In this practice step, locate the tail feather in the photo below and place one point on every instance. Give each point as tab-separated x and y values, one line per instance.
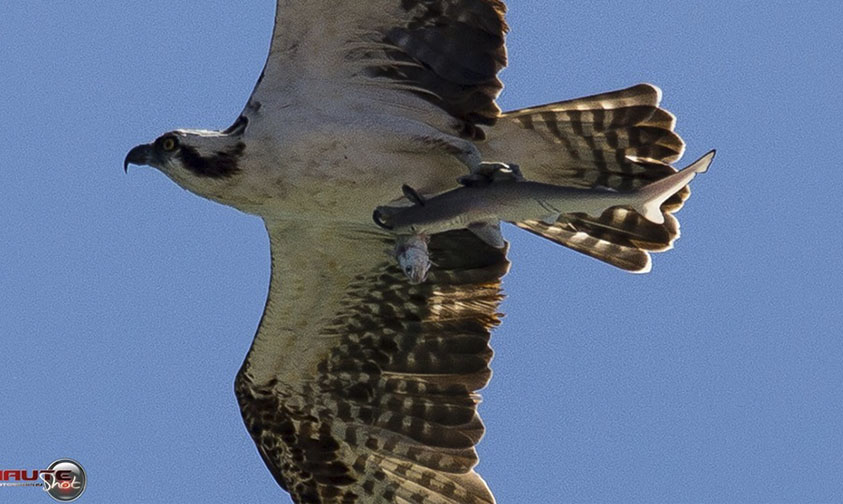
640	94
621	140
612	249
589	141
620	236
608	133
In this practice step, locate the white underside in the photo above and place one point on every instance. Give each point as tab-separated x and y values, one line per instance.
337	163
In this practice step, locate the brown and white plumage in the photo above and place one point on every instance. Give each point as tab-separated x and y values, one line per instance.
360	387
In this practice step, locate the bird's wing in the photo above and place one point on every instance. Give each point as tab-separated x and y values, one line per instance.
445	52
360	387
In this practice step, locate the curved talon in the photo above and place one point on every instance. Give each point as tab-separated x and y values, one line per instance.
377	216
516	171
498	172
474	180
412	195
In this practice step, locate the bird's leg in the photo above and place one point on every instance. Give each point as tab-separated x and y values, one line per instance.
488	173
479	171
499	171
413	256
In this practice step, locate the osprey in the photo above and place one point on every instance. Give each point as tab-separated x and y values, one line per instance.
360	386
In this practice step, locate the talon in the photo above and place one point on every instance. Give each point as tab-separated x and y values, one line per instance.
516	171
377	216
498	172
474	180
412	195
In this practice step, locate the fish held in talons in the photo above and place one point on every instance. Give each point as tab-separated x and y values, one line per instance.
486	199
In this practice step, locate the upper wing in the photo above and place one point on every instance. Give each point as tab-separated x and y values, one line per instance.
360	387
447	52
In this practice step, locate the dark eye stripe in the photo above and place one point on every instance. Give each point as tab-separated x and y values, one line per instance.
219	165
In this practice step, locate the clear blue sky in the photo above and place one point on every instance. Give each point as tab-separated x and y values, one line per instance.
128	304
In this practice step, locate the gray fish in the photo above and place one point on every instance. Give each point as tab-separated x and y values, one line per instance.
481	207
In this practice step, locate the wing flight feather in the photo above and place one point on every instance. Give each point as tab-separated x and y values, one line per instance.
361	387
446	53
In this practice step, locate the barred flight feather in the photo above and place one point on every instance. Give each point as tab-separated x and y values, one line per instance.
447	52
384	410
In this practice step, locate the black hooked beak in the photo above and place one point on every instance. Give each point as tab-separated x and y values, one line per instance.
140	155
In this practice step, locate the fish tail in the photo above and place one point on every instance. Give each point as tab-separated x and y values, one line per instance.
653	195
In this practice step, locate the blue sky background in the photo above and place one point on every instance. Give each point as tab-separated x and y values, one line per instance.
128	304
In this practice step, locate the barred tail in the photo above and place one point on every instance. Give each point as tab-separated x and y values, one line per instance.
622	140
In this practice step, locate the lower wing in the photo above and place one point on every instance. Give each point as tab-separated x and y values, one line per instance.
360	387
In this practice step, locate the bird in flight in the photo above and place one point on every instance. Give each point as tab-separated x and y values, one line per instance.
361	386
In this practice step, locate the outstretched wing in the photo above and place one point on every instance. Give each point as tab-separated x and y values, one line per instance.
360	387
445	52
621	140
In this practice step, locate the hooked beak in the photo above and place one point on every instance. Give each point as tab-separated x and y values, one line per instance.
140	155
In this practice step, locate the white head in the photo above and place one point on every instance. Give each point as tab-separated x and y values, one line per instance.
201	161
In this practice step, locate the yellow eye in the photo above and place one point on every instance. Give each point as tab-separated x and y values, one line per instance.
169	143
